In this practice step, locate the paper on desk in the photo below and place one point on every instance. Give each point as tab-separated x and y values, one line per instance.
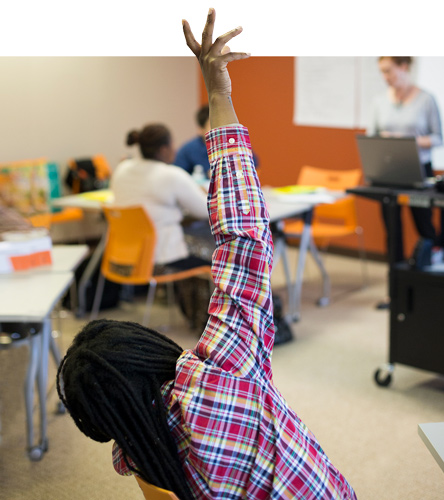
297	189
321	195
102	195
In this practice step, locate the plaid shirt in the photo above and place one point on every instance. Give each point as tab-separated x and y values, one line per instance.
236	436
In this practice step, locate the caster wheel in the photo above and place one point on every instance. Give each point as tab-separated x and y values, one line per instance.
61	410
35	453
295	318
381	380
323	301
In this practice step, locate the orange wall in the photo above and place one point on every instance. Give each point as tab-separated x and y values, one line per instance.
263	95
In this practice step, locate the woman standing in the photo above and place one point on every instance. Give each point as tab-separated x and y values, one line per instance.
406	110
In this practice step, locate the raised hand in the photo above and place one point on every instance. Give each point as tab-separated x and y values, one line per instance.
213	59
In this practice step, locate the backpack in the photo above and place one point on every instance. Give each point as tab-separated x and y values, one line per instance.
282	329
88	174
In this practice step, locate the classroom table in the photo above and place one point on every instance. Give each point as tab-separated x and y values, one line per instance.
280	207
433	436
30	297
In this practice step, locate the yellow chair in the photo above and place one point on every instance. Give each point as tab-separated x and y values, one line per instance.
129	254
335	220
151	492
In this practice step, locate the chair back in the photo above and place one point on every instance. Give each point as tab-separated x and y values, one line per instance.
130	248
343	211
151	492
326	177
40	220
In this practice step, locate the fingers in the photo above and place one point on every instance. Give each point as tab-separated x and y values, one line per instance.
207	34
222	40
189	37
234	56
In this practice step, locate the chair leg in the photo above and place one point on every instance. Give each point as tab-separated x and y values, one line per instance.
98	297
149	302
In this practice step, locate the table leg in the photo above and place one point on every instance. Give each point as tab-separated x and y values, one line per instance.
87	275
280	250
307	243
42	384
325	298
34	356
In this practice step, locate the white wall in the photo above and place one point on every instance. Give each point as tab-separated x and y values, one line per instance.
64	107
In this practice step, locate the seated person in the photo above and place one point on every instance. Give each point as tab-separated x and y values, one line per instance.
194	152
166	191
206	422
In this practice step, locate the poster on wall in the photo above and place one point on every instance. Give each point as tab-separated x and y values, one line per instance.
335	91
325	91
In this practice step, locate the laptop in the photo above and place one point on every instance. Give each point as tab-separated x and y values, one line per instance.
392	162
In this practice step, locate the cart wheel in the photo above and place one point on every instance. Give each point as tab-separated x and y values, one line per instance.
383	381
35	453
323	301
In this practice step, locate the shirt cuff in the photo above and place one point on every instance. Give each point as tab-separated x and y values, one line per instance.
223	141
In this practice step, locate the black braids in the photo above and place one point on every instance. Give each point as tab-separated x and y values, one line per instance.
110	380
159	474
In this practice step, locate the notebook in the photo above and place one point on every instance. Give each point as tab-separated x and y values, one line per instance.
391	162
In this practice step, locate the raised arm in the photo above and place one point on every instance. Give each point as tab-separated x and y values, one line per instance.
239	335
213	59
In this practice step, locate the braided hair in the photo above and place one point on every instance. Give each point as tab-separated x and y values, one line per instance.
110	380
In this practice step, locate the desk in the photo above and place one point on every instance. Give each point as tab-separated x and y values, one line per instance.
280	207
30	296
433	437
283	207
416	316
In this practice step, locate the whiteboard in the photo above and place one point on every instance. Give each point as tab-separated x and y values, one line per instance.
337	92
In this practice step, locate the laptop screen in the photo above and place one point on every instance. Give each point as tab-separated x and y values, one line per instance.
391	161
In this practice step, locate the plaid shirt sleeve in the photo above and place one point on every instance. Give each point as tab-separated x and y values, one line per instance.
236	435
239	336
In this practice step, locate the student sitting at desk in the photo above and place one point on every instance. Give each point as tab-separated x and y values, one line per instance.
166	191
207	423
168	194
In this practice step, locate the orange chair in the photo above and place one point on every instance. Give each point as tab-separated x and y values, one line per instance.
129	254
47	219
151	492
68	214
40	220
335	220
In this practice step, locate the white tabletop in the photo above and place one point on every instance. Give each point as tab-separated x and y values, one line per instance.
433	436
65	258
280	206
31	297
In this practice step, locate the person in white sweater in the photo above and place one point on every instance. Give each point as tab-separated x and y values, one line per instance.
167	192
